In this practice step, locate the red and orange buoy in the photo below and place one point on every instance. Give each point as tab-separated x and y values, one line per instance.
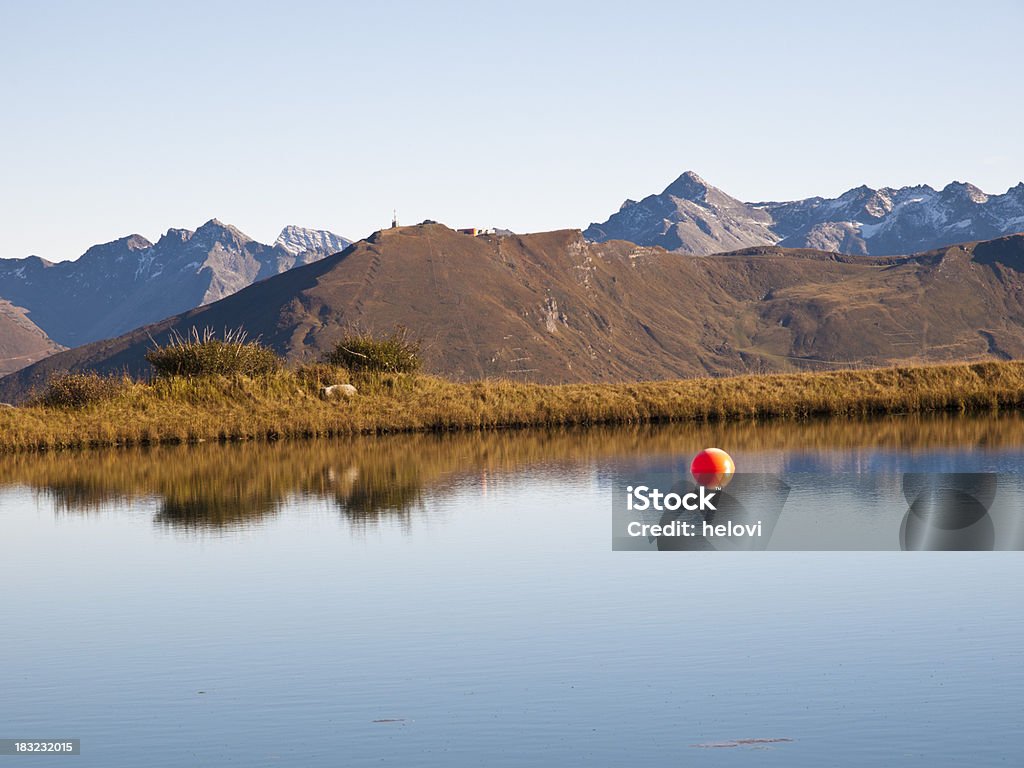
712	468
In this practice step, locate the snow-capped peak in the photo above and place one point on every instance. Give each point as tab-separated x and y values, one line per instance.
299	240
691	216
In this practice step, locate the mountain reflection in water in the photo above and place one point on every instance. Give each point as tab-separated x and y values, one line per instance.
371	479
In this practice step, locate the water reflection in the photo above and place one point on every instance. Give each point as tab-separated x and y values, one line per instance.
370	480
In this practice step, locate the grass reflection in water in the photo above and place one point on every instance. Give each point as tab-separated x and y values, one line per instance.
371	479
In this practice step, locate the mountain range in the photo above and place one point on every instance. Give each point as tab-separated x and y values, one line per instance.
691	216
130	282
802	284
555	307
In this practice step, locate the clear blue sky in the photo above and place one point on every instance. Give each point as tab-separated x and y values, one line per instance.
120	118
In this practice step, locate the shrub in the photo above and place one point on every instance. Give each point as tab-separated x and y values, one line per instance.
204	354
396	353
78	390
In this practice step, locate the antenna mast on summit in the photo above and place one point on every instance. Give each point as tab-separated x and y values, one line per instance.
394	218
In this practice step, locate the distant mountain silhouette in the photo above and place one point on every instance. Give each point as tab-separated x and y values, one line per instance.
130	282
691	216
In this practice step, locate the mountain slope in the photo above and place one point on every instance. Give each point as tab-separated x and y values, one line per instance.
22	342
691	216
553	307
130	282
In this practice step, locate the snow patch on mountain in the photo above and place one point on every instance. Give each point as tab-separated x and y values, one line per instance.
129	282
298	240
691	216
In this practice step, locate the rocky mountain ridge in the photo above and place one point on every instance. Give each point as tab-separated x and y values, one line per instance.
691	216
129	282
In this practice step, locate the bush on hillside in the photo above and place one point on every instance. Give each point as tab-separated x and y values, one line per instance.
395	353
78	390
203	354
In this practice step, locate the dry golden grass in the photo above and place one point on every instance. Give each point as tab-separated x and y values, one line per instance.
286	404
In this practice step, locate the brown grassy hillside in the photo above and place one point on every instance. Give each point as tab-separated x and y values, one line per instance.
552	308
22	342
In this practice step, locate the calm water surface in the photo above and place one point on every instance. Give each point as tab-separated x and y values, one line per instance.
454	601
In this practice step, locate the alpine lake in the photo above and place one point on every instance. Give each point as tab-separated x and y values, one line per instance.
454	600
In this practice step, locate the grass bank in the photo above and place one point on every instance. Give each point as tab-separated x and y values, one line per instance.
287	404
